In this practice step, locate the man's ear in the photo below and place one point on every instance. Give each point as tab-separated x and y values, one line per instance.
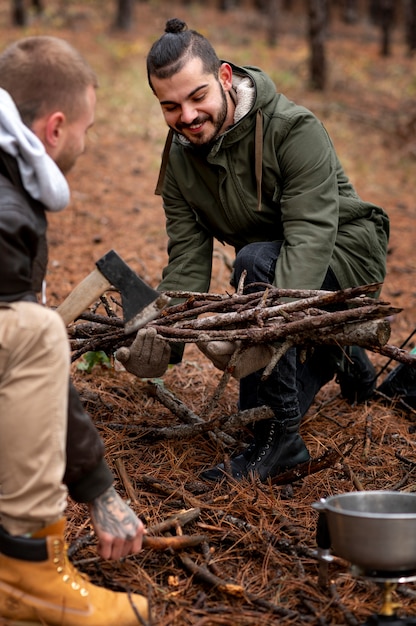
225	76
53	128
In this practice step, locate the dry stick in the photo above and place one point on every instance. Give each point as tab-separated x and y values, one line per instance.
182	518
206	551
130	491
178	408
221	319
404	459
401	483
165	488
107	306
279	292
203	573
307	299
343	451
159	544
353	477
193	299
212	403
227	423
311	328
173	543
406	477
240	286
371	334
397	354
349	617
395	400
108	342
320	619
171	402
368	435
286	546
328	459
237	302
231	588
277	355
139	617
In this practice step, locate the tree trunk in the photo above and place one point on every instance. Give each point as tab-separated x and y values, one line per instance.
124	15
19	16
38	6
19	11
272	13
387	13
318	20
350	11
410	25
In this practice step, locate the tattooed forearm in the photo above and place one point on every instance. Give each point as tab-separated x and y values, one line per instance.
113	515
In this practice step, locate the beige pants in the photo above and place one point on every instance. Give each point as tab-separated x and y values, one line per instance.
34	377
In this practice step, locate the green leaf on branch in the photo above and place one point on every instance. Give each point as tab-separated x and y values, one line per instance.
91	359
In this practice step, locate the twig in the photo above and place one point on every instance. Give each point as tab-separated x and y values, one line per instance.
368	435
349	617
313	466
212	403
401	483
130	491
171	402
227	423
231	588
182	518
354	478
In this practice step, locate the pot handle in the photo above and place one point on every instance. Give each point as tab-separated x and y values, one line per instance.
323	537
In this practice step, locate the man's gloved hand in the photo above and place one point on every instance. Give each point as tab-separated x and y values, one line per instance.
251	360
219	352
148	356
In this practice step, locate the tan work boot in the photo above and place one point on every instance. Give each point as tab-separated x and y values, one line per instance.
38	585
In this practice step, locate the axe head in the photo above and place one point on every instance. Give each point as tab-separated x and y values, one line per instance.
141	304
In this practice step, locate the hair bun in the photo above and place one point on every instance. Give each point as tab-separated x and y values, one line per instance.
175	25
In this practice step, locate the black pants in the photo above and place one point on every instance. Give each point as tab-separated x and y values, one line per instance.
292	385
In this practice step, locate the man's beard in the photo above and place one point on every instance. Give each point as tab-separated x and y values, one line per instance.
204	144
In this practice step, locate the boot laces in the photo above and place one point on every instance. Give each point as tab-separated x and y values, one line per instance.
265	447
64	567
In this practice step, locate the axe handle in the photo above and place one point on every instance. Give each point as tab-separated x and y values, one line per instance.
85	293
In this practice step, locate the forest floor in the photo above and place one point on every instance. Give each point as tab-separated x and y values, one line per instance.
260	538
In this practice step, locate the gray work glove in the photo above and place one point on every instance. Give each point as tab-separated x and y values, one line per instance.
148	356
252	359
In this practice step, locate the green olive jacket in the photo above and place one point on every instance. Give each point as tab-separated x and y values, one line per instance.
274	175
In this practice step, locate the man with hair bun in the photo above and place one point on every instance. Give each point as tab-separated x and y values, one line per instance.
248	167
49	446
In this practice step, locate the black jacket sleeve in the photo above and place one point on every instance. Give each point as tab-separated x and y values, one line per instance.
87	474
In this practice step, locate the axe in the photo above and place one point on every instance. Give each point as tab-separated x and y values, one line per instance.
141	303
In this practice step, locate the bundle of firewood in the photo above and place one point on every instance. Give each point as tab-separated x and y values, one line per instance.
283	317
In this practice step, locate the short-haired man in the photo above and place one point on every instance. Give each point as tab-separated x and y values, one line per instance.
48	444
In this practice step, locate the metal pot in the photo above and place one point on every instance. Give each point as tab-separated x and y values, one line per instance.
374	530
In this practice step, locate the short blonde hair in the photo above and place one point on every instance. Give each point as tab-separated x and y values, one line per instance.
44	74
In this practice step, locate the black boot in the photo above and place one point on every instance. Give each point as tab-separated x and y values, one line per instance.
280	448
400	384
238	465
358	378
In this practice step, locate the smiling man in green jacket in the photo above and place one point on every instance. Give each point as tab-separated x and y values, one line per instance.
246	166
